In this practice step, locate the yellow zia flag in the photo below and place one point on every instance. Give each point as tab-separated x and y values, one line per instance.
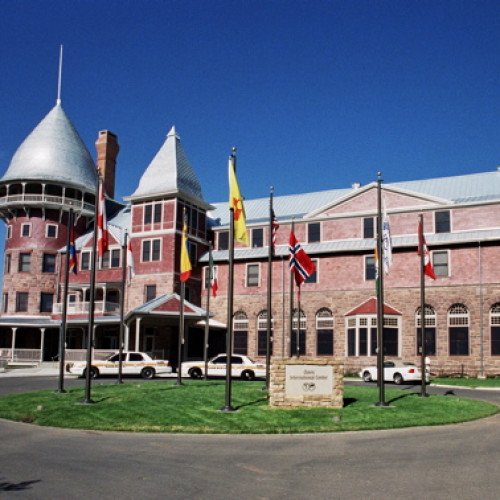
236	203
185	262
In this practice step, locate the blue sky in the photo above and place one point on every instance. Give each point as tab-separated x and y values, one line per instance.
315	94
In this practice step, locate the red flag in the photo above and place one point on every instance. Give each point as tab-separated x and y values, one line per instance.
214	287
102	225
422	247
130	261
299	262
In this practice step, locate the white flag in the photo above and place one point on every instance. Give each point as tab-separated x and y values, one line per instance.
386	242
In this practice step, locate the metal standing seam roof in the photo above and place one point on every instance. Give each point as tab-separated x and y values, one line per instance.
53	152
169	173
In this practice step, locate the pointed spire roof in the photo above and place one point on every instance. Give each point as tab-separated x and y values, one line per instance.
53	152
169	173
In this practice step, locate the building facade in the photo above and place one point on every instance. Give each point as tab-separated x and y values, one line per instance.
53	172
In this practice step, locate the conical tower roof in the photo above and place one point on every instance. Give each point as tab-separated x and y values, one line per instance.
53	152
169	173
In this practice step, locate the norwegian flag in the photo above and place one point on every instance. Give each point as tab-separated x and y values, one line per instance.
422	247
102	225
299	262
274	229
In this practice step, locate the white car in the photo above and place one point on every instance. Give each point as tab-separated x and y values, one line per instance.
394	371
241	366
133	363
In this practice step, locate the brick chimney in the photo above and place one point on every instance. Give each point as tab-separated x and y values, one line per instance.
107	150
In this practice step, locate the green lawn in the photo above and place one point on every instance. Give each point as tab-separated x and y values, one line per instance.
468	382
195	408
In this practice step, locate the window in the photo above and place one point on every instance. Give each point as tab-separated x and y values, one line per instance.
152	213
21	301
298	330
240	333
151	250
207	276
495	329
430	331
46	302
6	264
442	221
24	262
149	292
111	259
25	230
313	278
192	252
157	212
49	263
85	261
362	335
5	302
370	271
223	240
257	237
369	227
458	330
262	334
252	274
440	262
51	231
9	231
324	332
313	232
148	211
135	356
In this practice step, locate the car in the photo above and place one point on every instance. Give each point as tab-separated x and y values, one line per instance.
134	363
241	366
394	371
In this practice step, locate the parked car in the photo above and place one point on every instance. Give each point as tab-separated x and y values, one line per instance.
394	371
133	363
241	366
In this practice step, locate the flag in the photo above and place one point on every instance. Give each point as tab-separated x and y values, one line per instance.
73	263
212	280
422	247
185	262
215	287
386	243
236	203
274	229
130	261
102	225
299	262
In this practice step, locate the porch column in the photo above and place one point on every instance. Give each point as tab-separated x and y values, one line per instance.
14	330
104	291
42	340
137	330
126	336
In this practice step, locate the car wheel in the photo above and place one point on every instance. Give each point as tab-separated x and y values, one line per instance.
367	377
194	373
398	378
94	372
248	375
147	372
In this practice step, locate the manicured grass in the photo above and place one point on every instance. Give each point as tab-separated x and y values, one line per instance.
468	382
195	408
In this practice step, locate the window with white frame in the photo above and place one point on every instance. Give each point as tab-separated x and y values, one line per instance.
495	329
24	262
299	331
314	232
458	330
26	230
361	339
151	250
85	260
253	275
111	259
152	213
440	260
51	231
49	263
240	333
324	332
430	330
262	334
370	268
257	237
442	221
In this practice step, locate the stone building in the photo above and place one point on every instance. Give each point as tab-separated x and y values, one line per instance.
52	172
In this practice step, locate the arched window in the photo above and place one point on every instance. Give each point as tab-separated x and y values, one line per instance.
262	334
430	330
458	330
240	333
298	333
495	329
324	332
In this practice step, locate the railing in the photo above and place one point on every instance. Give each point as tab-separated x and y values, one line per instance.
31	355
100	307
81	354
6	354
39	198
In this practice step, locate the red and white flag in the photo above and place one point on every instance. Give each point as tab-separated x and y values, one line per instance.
102	225
422	247
130	261
299	262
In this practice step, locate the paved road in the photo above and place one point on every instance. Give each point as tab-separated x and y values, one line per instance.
459	461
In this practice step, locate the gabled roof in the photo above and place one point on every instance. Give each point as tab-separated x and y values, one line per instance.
168	304
169	173
370	307
53	152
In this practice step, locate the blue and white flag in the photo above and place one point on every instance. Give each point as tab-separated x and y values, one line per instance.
386	242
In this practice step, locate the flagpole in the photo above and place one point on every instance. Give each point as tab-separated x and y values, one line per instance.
423	391
122	308
230	297
62	330
380	298
90	334
269	290
207	317
181	334
297	335
291	298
